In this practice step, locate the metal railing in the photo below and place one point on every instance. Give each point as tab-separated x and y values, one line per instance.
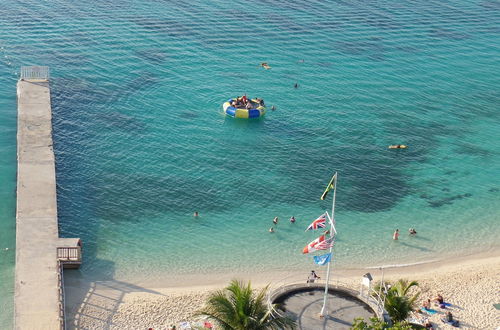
290	283
60	287
34	73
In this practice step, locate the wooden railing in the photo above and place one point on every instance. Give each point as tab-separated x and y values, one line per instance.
69	255
34	72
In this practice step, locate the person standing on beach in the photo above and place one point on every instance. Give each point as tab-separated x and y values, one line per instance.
395	236
312	277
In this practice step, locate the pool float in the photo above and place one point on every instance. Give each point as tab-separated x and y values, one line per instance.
398	146
257	110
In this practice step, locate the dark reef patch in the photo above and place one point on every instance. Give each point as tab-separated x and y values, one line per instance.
472	150
143	195
442	33
371	47
165	26
448	200
122	122
490	4
152	55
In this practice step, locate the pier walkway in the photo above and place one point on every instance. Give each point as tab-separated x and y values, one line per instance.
38	299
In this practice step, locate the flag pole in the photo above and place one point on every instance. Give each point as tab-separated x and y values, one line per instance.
323	309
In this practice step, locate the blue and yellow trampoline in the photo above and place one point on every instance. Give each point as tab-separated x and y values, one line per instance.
256	110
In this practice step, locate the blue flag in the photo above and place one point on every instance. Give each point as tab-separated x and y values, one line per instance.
324	259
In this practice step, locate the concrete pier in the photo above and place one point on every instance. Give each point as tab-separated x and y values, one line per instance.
38	272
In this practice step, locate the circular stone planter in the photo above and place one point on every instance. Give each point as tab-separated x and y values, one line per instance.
303	303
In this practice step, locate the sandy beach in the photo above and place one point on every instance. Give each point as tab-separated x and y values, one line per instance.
470	284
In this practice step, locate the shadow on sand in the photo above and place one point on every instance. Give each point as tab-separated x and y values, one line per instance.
95	301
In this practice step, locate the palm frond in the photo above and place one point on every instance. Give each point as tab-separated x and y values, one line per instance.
238	307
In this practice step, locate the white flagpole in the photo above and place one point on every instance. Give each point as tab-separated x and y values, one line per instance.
323	310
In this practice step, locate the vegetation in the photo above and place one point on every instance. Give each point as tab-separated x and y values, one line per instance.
398	301
238	307
376	324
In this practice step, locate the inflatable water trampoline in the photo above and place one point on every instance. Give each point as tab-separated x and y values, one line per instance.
241	107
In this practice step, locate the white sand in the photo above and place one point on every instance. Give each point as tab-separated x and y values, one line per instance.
472	285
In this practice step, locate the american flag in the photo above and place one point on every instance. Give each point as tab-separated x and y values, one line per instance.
320	222
319	243
326	244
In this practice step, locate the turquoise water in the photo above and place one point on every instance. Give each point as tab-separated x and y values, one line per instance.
141	142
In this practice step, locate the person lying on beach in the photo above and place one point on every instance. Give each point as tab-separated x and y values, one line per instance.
449	320
439	299
428	325
426	304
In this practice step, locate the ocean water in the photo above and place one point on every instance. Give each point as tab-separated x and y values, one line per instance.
141	142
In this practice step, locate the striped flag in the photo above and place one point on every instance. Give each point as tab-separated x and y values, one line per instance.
331	185
320	222
326	244
319	243
310	246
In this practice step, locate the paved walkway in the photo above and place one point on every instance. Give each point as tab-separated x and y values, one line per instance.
36	297
305	306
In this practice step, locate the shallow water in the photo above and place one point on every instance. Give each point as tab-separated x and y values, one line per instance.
141	142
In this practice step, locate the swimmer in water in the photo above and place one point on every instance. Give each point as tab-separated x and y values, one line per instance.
398	146
275	220
273	108
271	230
395	236
296	85
292	219
265	65
196	214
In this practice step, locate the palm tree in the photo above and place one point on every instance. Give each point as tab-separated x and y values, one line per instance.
237	307
397	302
